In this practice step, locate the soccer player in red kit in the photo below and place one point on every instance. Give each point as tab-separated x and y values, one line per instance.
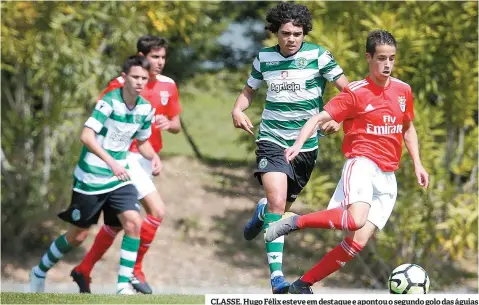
162	93
377	115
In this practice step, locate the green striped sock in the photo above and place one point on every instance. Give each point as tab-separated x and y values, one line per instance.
274	249
57	250
128	253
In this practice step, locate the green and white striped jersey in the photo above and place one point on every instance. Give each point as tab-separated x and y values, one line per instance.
116	126
295	89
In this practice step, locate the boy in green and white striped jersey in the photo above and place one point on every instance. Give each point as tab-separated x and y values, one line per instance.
101	181
296	73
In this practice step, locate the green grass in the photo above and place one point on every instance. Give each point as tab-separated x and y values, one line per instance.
76	298
208	119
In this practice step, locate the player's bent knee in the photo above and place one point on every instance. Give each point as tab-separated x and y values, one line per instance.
359	222
159	213
75	236
363	235
154	205
131	222
132	227
359	212
276	204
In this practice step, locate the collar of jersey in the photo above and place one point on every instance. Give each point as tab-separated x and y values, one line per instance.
126	105
376	86
292	55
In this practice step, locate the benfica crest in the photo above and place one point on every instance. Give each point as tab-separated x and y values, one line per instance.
164	97
402	103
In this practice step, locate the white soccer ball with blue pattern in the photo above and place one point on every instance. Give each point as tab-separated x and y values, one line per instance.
409	279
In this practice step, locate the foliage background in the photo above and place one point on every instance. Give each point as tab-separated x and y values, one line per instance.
57	56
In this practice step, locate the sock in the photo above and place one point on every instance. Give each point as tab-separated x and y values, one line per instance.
128	253
274	249
336	219
57	250
332	261
103	241
148	230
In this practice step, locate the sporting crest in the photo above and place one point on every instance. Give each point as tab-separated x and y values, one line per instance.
76	215
301	63
284	74
138	118
164	97
263	163
402	103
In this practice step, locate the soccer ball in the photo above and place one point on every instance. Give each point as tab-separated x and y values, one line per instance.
409	279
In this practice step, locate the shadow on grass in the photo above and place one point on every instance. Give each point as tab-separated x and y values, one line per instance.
302	249
30	252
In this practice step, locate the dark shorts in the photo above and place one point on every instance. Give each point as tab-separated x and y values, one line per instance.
270	158
85	210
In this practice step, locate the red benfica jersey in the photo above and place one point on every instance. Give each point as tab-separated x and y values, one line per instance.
163	97
373	118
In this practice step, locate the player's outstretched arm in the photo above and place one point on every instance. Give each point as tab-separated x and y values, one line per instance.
172	125
147	151
332	126
175	124
341	82
412	145
306	132
240	119
88	137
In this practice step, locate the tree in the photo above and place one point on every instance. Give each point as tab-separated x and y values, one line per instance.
56	57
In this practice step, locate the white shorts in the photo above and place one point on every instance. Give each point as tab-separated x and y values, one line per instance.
362	180
141	174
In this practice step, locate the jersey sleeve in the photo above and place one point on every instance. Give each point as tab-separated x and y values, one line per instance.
328	67
145	130
342	106
173	107
102	111
409	113
256	77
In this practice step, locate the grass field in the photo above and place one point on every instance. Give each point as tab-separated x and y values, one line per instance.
75	298
208	119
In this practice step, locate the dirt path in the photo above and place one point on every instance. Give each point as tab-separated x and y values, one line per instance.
200	244
204	201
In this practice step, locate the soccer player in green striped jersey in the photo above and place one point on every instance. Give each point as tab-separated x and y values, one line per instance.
101	181
296	73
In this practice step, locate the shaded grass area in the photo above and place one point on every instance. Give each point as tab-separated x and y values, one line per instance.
71	298
207	120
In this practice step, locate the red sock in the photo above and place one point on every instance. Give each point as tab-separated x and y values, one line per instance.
332	261
148	231
103	241
338	218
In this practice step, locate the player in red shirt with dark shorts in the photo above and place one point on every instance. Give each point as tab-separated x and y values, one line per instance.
162	93
377	115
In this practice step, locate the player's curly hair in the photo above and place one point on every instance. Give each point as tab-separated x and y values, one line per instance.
286	12
378	37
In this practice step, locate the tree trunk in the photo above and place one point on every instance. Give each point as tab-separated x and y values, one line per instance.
190	140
